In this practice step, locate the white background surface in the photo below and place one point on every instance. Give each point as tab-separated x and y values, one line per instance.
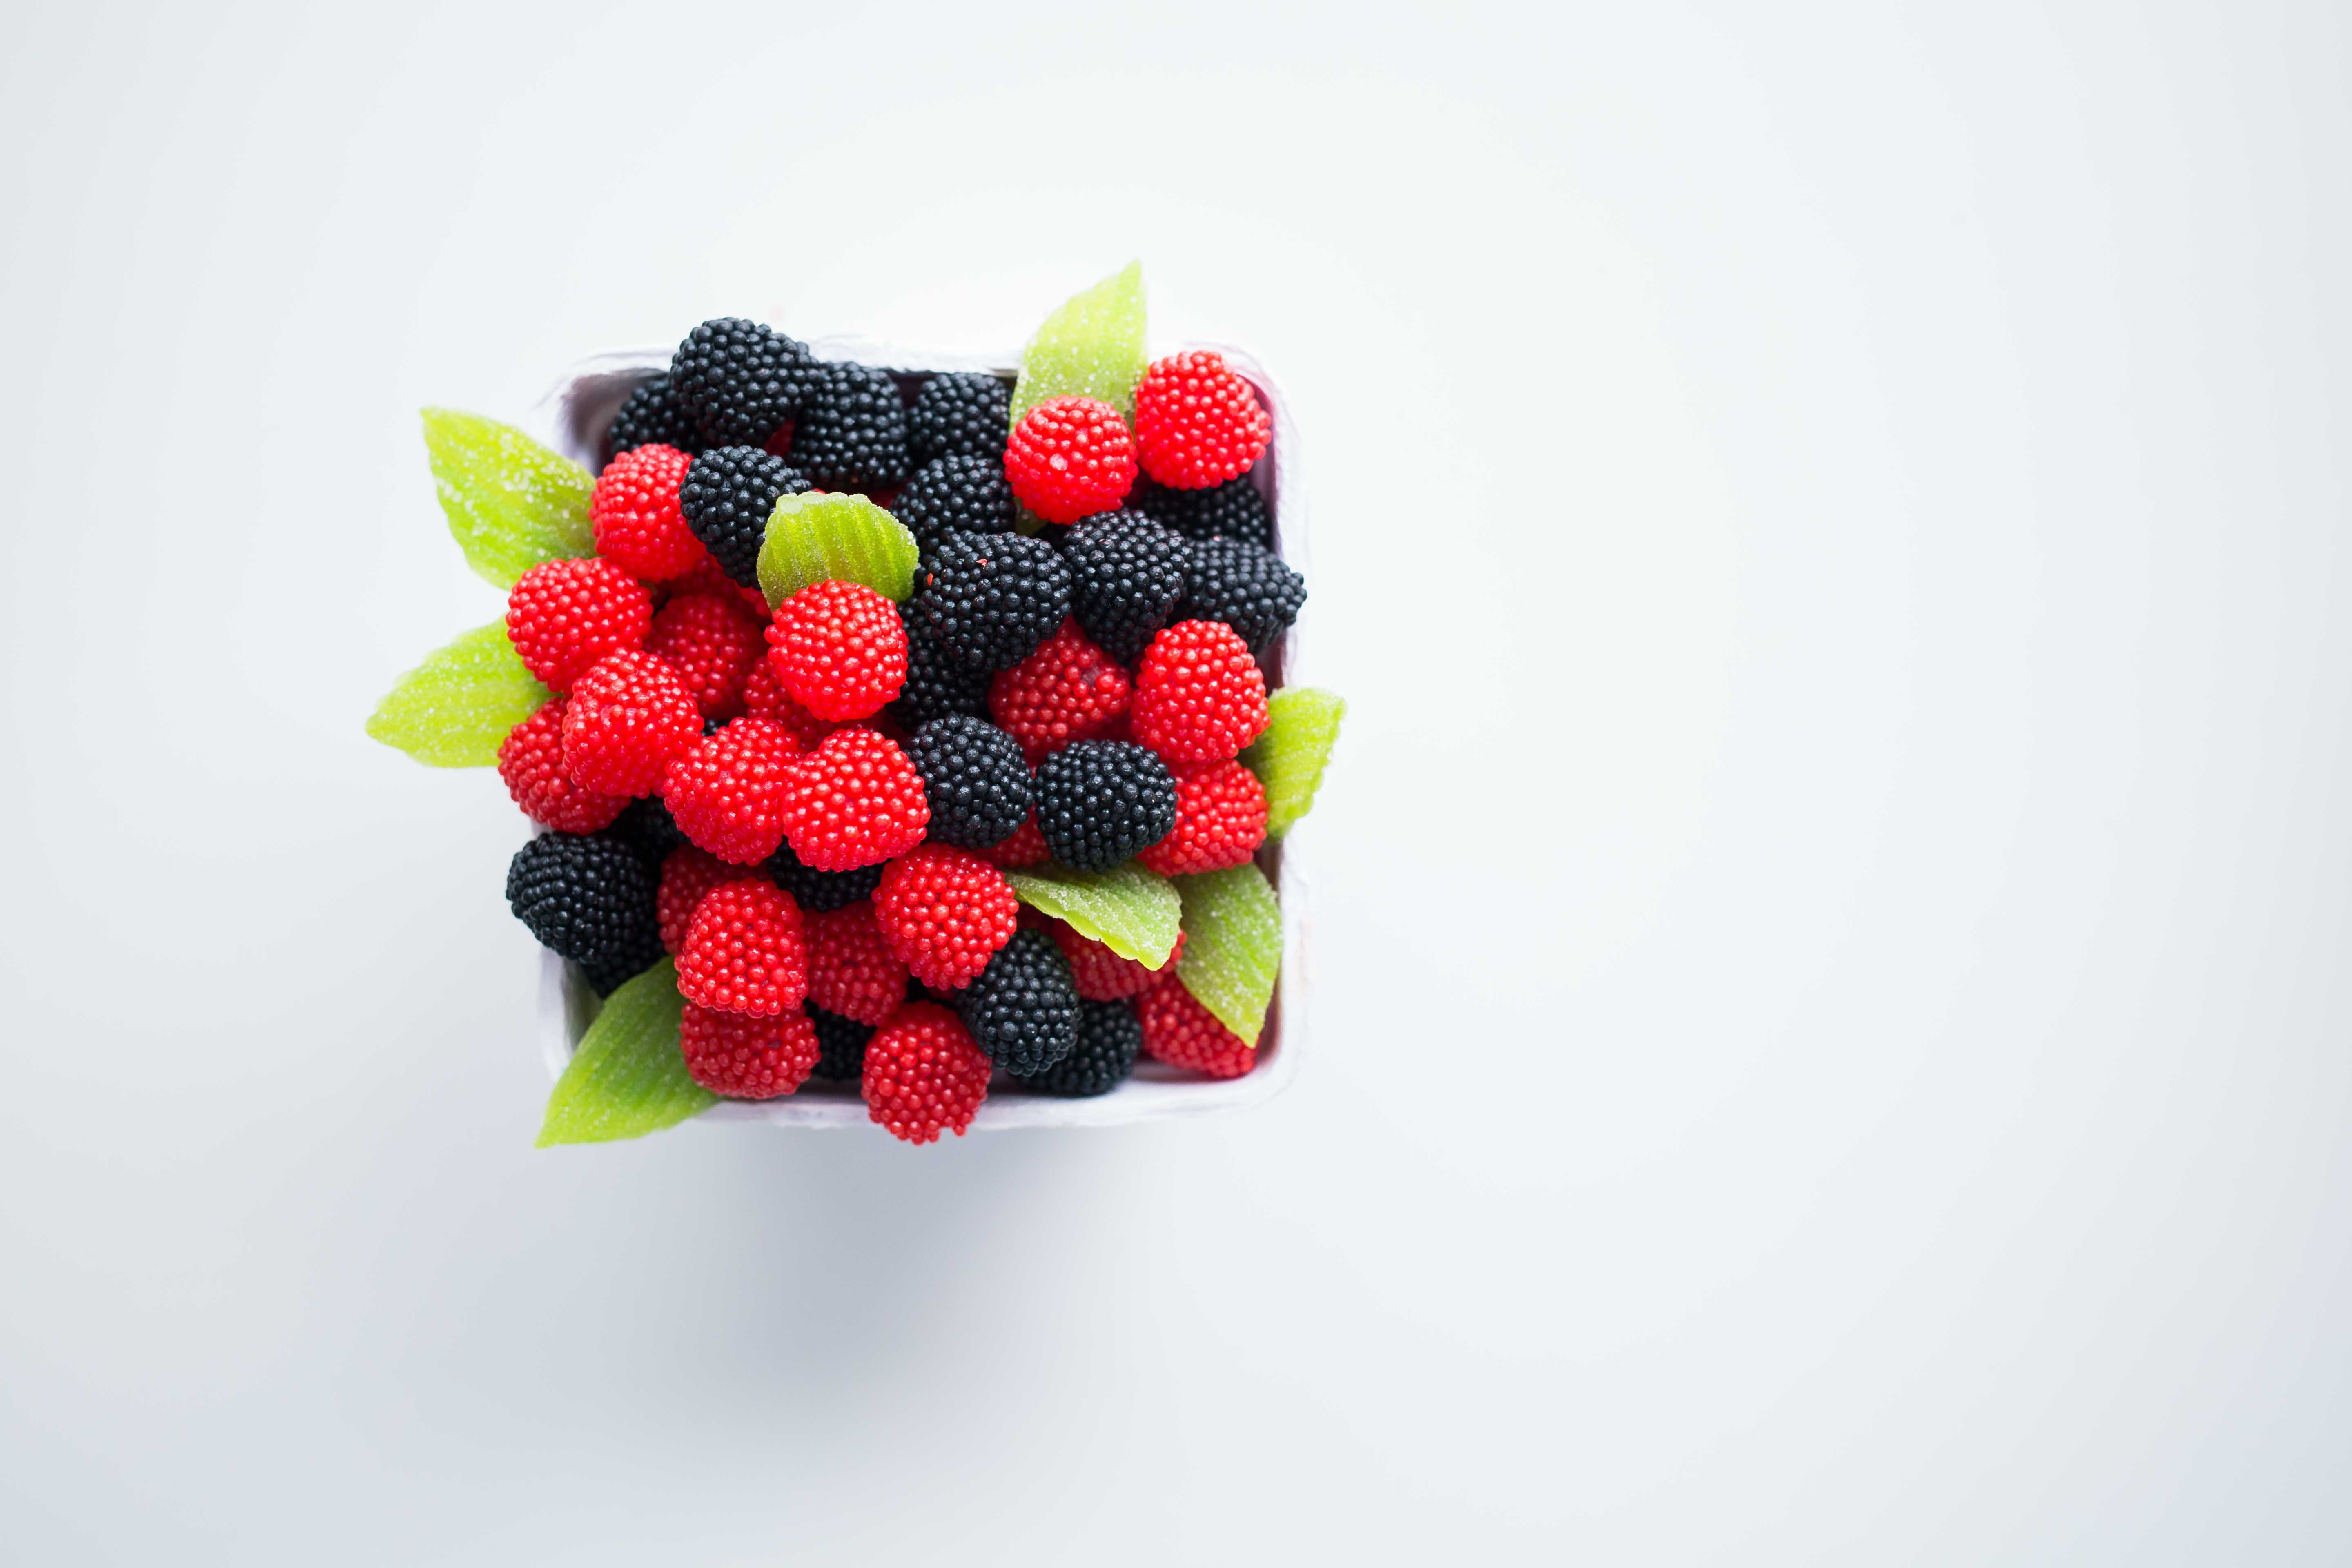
1834	1022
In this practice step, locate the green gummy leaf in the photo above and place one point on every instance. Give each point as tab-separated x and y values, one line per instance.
1091	347
511	502
1302	723
1232	945
628	1076
454	709
1132	912
834	538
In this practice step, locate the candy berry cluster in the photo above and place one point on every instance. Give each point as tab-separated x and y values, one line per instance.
886	721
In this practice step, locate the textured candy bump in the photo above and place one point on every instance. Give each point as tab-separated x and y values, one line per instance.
1091	346
840	649
531	762
740	381
688	873
960	414
1066	691
1110	1038
649	416
1022	1009
1102	801
1219	820
730	494
564	615
855	801
1070	457
943	912
588	898
1232	945
1127	574
1102	975
458	708
627	1078
1134	912
712	641
853	973
744	1057
974	779
992	598
834	538
1197	423
629	718
852	435
639	527
1199	696
841	1044
923	1075
1180	1031
1302	726
511	503
728	794
745	951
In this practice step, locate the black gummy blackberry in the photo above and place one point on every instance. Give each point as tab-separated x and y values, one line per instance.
841	1044
1110	1038
852	436
937	683
991	598
738	381
960	414
726	499
1230	510
587	898
1022	1009
973	777
647	826
1100	801
1247	589
641	952
818	890
651	417
961	495
1127	572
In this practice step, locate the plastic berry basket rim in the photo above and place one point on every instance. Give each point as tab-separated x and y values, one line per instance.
575	413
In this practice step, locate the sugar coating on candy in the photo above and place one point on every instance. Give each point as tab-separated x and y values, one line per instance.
727	498
639	527
639	952
729	792
1068	691
1234	510
923	1075
1102	801
744	950
852	971
687	874
855	801
841	1044
1197	423
1126	573
564	615
1102	975
531	762
813	890
955	495
1025	848
456	710
937	683
839	649
1302	726
738	381
712	642
1199	696
586	899
629	718
1070	457
974	779
511	503
960	414
649	416
746	1058
943	912
814	537
1022	1008
1180	1032
990	599
1219	820
1092	344
1110	1038
1233	948
1247	589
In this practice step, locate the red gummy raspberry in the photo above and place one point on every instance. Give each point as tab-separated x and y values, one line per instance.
530	760
639	526
564	615
744	952
851	970
1070	457
727	794
764	697
1199	696
1103	976
629	718
1197	424
713	643
1180	1032
711	578
745	1057
923	1074
1025	848
1219	820
944	911
840	648
1067	690
855	801
686	875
